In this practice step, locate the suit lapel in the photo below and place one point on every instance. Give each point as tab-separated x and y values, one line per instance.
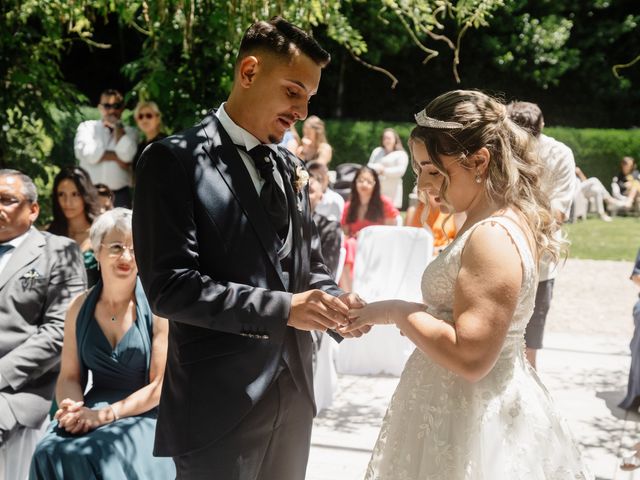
288	169
28	251
224	155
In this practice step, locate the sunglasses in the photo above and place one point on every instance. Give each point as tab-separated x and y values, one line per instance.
118	249
112	106
147	116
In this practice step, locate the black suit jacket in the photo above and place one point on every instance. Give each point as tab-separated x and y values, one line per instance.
207	258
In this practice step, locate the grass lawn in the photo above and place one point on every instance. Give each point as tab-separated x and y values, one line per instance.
598	240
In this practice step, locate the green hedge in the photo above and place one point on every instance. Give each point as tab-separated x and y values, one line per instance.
597	152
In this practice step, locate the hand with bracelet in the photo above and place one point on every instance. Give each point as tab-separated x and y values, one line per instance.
77	419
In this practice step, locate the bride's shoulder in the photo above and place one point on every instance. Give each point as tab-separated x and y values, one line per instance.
496	241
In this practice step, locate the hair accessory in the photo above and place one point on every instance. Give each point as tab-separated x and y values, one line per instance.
424	120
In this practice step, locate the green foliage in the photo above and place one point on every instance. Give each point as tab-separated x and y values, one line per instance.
538	49
598	240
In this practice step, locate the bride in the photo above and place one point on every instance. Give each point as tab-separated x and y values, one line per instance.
468	405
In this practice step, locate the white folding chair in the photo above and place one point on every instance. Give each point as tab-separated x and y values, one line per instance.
389	264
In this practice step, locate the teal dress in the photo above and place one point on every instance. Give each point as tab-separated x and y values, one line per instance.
121	450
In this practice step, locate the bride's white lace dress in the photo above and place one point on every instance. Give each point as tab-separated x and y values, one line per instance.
440	426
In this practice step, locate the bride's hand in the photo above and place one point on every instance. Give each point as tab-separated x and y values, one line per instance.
376	313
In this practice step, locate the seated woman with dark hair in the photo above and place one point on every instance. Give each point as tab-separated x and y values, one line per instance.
75	205
365	207
108	432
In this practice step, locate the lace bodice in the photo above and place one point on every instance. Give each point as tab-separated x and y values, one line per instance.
439	279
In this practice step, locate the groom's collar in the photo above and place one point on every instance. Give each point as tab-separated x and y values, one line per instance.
239	135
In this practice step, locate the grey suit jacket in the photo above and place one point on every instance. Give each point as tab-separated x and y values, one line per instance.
43	274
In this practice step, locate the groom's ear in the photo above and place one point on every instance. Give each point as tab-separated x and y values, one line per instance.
246	71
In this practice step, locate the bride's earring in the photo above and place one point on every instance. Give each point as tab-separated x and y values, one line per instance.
478	177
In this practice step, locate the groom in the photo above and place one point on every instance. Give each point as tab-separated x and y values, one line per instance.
224	245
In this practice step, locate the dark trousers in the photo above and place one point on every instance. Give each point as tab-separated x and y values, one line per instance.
270	443
122	197
534	332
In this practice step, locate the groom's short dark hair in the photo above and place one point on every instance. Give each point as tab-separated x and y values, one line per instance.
281	38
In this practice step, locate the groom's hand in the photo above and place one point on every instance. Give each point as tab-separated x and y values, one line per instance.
317	310
353	301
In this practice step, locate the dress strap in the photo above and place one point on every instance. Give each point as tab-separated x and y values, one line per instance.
517	235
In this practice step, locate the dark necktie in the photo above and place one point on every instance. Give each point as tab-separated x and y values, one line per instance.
272	197
4	248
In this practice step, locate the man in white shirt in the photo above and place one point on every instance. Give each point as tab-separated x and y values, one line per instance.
558	183
105	148
39	274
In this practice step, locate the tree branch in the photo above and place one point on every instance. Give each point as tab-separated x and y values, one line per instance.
616	68
394	80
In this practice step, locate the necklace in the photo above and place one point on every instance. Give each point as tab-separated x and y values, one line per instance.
114	316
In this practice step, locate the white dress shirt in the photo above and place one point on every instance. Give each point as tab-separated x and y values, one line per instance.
331	206
16	242
239	136
92	140
557	182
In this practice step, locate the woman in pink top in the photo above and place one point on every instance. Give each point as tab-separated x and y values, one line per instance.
366	207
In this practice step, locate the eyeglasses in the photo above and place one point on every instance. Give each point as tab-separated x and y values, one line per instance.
147	116
118	249
365	181
9	201
112	106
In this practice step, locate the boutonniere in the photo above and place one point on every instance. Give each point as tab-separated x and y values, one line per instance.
29	278
301	180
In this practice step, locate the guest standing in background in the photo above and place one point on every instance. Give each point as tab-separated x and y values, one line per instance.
314	145
75	205
390	161
558	184
105	148
149	120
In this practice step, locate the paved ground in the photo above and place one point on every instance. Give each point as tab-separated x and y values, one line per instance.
585	366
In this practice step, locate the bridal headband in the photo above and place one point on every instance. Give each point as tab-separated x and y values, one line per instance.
424	120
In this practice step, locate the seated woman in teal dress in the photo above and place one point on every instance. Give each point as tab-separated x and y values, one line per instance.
109	331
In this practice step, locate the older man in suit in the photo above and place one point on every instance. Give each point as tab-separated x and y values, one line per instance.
39	274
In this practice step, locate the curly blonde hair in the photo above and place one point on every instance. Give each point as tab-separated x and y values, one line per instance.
513	173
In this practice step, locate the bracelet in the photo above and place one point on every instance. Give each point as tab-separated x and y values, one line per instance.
115	415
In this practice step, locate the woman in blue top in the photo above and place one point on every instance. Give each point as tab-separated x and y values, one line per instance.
108	431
